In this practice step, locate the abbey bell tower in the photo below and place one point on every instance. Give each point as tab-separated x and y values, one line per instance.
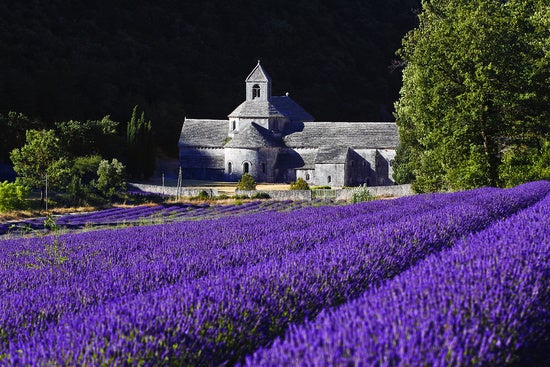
258	85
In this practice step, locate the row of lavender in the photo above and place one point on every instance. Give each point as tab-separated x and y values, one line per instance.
58	274
154	214
484	302
129	301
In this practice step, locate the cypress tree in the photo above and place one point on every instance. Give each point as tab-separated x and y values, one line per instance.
141	148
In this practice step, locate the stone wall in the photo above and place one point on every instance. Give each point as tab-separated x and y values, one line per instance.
173	191
279	194
377	191
337	194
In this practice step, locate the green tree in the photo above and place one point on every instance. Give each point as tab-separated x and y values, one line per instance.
246	182
86	167
475	85
110	177
140	146
40	159
12	196
89	137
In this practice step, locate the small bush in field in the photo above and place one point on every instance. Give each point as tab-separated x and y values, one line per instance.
246	182
299	184
203	195
360	194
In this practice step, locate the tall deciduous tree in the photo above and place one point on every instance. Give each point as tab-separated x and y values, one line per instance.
475	86
140	146
40	159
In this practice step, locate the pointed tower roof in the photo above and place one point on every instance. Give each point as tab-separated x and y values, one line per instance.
258	74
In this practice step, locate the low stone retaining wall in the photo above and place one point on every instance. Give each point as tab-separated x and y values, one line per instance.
279	194
377	191
336	194
173	191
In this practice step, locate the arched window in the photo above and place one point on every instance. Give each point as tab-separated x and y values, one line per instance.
263	167
307	176
233	125
255	91
246	167
229	168
329	179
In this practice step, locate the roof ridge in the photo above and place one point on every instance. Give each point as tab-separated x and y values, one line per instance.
259	74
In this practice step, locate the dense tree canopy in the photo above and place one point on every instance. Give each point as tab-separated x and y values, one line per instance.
474	103
84	59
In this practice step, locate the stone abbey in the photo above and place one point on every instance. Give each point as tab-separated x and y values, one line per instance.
275	140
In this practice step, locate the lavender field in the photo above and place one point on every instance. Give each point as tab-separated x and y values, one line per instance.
457	279
146	214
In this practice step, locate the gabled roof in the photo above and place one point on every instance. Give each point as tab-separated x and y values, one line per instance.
374	135
276	107
336	154
288	107
254	136
258	74
204	133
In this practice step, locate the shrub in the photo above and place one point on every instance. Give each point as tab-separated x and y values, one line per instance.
110	177
203	195
299	184
260	195
246	182
361	193
240	197
12	196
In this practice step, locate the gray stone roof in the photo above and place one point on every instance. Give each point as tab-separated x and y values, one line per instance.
291	109
258	74
283	106
374	135
254	136
335	154
204	133
256	109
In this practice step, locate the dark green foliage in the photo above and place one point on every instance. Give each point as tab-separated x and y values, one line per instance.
203	195
475	95
141	156
299	184
86	167
246	182
75	60
12	132
89	137
260	195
